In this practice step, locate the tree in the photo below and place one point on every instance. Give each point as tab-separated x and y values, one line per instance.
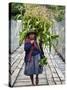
56	12
16	11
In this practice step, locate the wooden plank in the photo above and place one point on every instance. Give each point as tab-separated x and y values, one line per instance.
60	74
13	60
55	72
15	65
49	76
15	73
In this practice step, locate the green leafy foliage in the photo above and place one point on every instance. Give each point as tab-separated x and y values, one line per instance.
35	20
17	11
57	12
43	61
43	31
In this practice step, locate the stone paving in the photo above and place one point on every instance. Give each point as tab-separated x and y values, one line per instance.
53	72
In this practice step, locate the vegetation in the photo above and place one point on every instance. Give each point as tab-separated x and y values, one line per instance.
58	12
17	11
36	18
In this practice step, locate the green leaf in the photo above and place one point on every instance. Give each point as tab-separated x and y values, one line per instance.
43	61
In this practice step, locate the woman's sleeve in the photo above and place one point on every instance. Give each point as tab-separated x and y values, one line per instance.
27	46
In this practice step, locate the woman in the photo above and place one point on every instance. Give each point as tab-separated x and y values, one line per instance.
32	57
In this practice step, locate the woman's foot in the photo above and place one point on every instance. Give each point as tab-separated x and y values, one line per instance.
33	84
32	79
37	80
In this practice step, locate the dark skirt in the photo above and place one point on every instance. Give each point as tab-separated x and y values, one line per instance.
33	67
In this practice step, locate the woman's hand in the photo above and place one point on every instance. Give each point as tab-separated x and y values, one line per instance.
32	41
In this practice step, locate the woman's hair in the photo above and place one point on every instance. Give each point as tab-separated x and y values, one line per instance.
27	36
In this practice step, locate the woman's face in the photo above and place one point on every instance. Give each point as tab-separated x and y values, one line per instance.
32	36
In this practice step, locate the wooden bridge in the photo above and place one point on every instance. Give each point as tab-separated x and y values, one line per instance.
53	73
